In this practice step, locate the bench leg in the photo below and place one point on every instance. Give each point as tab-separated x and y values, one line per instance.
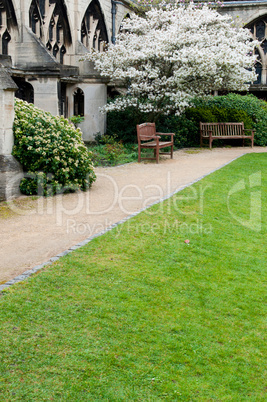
243	142
157	155
139	154
210	142
172	152
201	141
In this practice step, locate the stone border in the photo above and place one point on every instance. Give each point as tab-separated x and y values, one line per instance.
37	268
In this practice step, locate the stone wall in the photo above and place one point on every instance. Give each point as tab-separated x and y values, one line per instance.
46	46
10	170
244	12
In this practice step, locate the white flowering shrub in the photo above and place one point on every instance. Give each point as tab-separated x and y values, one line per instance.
51	151
174	53
144	5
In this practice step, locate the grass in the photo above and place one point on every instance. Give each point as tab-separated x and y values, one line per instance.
140	315
113	154
22	203
192	151
116	153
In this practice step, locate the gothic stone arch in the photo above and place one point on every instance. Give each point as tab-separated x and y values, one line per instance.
78	102
48	19
25	90
258	30
93	28
7	22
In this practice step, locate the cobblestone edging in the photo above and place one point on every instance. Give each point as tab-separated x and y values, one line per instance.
37	268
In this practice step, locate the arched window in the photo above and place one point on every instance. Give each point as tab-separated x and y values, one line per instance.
5	39
126	17
258	29
78	102
35	19
258	68
62	52
63	100
7	21
25	90
93	29
55	50
54	30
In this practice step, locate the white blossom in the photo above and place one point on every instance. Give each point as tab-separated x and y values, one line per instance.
175	53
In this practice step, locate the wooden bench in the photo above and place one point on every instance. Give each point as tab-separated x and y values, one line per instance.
222	131
148	138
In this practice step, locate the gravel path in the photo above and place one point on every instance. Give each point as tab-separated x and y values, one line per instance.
36	230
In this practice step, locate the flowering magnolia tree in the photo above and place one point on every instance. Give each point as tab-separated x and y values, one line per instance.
173	53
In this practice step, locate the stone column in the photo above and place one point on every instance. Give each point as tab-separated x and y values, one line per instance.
10	170
263	74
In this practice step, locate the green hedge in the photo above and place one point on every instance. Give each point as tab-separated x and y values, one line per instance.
227	108
51	151
123	124
247	108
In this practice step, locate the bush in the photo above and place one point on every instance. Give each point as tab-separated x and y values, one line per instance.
198	114
123	124
213	114
76	120
227	108
186	132
247	108
108	151
51	151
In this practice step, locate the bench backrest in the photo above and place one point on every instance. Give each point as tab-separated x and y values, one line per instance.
221	129
145	131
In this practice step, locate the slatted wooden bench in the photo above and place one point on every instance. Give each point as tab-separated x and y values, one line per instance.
212	131
150	139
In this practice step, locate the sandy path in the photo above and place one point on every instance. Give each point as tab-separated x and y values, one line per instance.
31	237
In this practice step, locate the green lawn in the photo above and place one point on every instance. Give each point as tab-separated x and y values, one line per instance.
140	315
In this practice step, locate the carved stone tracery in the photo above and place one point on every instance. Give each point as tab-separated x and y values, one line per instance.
7	21
48	20
93	29
258	30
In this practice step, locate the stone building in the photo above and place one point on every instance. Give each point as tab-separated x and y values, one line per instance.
42	43
253	15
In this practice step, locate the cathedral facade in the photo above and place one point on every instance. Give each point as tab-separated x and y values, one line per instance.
42	43
253	15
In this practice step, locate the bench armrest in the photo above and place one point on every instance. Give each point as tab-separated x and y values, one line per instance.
149	137
165	133
248	129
